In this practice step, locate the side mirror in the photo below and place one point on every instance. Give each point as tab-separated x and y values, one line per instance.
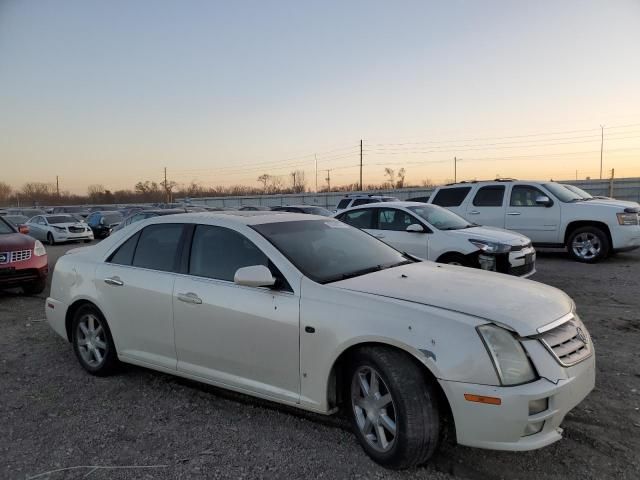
23	229
254	276
415	227
544	200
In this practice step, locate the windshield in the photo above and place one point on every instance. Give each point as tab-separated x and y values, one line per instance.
56	219
562	193
440	218
112	217
329	250
5	227
578	191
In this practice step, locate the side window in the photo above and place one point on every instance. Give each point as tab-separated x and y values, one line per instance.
344	203
490	196
361	201
158	246
41	221
124	254
217	252
359	218
451	197
525	196
392	219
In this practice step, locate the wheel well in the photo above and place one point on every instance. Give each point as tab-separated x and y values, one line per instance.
337	394
71	311
587	223
450	255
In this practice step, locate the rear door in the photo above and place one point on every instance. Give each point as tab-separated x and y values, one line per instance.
135	292
487	207
538	222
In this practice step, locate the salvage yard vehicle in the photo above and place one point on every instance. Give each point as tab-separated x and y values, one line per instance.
23	260
549	214
435	233
57	228
103	223
310	312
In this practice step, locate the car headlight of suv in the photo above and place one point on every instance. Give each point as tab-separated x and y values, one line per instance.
626	218
491	247
38	249
509	358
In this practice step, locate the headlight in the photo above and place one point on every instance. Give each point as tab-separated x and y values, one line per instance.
38	249
627	218
491	247
508	356
59	229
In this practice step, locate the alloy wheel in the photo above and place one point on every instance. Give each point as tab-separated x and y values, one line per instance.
586	246
373	408
91	340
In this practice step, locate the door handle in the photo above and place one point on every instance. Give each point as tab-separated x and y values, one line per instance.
189	297
115	281
474	212
513	213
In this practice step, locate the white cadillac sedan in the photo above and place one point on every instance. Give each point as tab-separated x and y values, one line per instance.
311	312
435	233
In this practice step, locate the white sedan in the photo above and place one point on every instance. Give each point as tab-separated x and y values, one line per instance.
57	228
310	312
435	233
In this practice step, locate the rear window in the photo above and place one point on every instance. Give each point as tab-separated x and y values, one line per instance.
359	218
124	254
490	196
344	203
451	197
158	246
363	201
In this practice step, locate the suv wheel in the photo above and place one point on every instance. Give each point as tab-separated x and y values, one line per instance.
588	244
92	342
393	409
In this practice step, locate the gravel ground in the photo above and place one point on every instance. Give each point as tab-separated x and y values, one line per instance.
55	416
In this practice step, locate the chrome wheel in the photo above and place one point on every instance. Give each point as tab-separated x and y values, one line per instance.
586	246
373	408
91	340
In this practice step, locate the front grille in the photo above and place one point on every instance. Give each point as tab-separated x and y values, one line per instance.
517	248
76	229
522	269
20	255
569	343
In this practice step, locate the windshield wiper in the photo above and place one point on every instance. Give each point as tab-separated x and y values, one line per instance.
363	271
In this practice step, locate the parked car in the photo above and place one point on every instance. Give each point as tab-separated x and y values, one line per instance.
435	233
549	214
356	199
58	228
144	214
313	313
23	260
73	209
309	209
102	223
27	212
419	199
16	220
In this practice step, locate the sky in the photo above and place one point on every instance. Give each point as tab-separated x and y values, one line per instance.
220	92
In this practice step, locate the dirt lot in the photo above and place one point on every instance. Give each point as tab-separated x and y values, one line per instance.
55	416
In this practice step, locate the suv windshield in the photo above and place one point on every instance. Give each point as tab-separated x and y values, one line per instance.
440	218
5	227
56	219
562	193
329	250
578	191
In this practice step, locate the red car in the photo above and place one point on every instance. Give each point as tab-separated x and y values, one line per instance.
23	260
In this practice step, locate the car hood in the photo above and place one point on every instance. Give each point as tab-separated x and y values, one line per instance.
15	241
518	304
492	234
611	203
69	224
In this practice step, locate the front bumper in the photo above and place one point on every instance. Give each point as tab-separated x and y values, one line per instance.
56	313
69	236
520	263
502	427
625	237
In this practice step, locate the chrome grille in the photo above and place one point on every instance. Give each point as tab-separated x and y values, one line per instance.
76	229
569	343
20	255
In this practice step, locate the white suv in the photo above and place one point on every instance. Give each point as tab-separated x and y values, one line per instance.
549	214
353	200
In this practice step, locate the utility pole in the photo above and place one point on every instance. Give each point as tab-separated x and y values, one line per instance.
57	187
328	179
166	192
601	147
316	158
360	164
455	169
613	172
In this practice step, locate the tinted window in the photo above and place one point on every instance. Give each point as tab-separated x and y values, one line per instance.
392	219
124	254
359	218
525	196
55	219
343	203
158	246
218	252
362	201
110	218
563	193
489	196
451	197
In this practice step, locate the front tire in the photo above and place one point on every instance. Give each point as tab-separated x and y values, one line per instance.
50	239
92	342
588	244
392	407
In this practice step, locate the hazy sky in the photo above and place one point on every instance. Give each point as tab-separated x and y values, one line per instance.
219	92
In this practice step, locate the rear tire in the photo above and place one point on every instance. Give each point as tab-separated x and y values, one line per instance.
397	422
50	239
34	288
588	244
92	342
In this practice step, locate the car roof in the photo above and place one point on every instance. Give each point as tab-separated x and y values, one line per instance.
239	217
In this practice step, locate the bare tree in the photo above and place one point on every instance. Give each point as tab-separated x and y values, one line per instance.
298	181
264	179
390	172
5	192
401	174
168	187
95	192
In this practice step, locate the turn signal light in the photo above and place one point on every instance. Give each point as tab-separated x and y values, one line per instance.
482	399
